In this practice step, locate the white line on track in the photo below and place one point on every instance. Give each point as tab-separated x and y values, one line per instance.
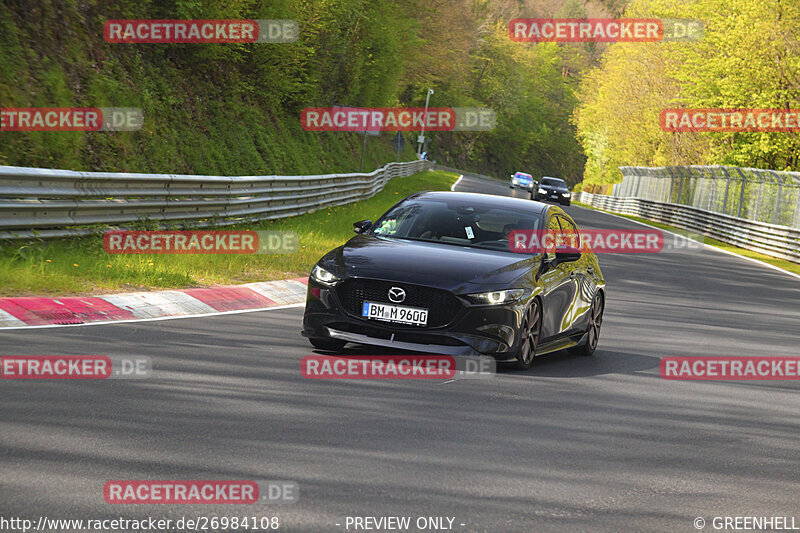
453	186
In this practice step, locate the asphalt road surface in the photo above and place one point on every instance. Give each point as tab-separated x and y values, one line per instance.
573	444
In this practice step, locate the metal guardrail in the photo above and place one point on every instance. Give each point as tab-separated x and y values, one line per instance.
770	239
750	193
45	203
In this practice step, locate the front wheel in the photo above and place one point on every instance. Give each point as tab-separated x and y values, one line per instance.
593	331
529	336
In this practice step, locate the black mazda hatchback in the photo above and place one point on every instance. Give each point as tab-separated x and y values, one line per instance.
438	273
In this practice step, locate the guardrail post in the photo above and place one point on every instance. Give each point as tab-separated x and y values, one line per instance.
712	195
741	193
758	198
680	188
727	189
797	210
671	183
776	215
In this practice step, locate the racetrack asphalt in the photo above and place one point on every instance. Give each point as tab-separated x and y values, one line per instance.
573	444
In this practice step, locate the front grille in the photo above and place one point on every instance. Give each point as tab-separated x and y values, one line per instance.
442	305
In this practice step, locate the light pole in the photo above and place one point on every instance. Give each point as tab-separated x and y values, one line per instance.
421	139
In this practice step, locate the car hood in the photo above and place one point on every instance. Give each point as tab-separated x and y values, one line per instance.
442	265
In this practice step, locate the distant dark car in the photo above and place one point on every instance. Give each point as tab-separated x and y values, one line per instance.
552	190
436	274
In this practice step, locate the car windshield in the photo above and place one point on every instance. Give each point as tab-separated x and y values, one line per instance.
554	182
521	175
475	225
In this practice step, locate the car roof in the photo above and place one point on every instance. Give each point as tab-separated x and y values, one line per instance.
492	199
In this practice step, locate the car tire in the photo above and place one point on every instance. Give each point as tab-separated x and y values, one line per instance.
593	329
329	345
566	204
530	331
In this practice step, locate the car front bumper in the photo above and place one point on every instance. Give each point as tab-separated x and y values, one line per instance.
474	330
554	197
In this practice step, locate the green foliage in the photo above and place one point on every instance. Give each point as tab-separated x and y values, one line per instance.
234	108
209	109
747	58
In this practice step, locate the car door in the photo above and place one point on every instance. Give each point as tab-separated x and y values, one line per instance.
578	272
559	290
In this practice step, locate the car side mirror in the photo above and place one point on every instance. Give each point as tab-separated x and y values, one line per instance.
567	254
361	226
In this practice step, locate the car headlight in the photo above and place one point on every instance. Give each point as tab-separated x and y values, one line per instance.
497	297
322	276
565	194
542	191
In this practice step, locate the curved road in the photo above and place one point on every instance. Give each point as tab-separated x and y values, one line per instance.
573	444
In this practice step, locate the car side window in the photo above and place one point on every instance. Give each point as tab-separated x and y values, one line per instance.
571	235
553	232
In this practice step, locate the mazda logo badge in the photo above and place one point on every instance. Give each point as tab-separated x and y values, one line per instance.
397	295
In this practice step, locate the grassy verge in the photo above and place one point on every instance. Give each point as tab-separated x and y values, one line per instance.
81	265
781	263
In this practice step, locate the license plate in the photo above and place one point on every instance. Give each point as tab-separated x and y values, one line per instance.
416	316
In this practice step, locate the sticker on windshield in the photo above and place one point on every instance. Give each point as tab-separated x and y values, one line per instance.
470	234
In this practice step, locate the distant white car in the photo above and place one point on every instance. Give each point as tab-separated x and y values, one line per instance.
521	180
